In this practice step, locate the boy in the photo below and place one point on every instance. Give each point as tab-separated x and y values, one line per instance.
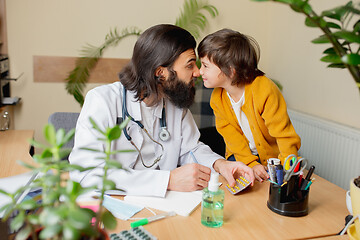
249	109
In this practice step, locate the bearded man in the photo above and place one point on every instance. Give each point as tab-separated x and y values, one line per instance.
155	90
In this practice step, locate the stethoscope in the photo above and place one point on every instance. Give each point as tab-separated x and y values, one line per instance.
164	134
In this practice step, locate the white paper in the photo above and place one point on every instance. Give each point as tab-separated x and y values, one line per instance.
183	203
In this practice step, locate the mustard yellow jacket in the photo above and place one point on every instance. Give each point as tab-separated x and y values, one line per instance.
269	122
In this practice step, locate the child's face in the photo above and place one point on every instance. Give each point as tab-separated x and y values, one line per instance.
212	75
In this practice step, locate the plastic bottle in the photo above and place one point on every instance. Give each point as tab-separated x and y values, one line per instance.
212	206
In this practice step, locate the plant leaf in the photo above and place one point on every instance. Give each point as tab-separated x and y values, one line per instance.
78	77
357	27
72	187
114	164
64	152
114	133
336	65
310	22
348	36
18	221
36	144
320	40
69	135
28	204
60	134
50	216
90	149
33	219
8	209
331	58
46	154
23	233
329	51
25	164
109	185
333	25
307	8
69	232
95	126
50	232
122	151
351	59
5	193
50	134
50	198
80	218
191	17
109	220
285	1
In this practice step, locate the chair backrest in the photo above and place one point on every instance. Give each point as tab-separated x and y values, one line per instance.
65	120
211	137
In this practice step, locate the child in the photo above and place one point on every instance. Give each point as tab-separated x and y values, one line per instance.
249	109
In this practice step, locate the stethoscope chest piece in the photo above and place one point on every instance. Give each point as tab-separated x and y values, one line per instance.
164	134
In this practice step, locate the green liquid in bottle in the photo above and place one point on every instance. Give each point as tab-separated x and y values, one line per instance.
212	208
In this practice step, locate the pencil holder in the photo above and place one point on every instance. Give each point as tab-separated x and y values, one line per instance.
289	199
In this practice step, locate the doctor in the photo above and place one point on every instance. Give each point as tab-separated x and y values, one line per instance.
155	90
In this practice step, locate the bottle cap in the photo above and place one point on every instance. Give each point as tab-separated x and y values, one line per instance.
213	184
273	161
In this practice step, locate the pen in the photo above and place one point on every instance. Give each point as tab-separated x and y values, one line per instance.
279	174
300	178
272	181
152	219
308	185
193	157
311	170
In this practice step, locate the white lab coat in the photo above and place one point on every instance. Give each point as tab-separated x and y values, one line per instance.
104	105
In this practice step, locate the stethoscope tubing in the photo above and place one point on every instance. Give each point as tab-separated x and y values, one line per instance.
164	134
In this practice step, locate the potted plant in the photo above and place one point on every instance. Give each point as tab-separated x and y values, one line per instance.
192	18
58	215
340	27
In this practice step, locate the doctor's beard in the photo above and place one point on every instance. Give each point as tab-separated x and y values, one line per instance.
178	92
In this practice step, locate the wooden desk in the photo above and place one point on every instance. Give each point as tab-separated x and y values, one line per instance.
246	216
14	146
337	237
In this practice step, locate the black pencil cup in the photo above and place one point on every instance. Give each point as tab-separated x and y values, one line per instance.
288	200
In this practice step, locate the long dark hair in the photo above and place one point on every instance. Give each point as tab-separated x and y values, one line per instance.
229	50
158	46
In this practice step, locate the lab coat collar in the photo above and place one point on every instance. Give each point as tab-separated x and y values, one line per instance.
158	108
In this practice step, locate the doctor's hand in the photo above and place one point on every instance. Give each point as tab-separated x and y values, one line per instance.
190	177
231	170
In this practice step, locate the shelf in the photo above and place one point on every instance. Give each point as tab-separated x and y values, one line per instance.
11	79
10	101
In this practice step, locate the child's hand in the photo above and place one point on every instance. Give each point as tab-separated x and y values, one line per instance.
260	172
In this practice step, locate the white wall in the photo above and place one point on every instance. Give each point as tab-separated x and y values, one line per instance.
61	28
309	86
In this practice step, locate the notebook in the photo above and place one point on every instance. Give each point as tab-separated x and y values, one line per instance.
183	203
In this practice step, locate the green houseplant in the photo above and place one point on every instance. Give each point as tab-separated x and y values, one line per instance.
192	18
58	215
340	27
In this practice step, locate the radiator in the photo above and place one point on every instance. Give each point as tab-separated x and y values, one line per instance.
333	148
